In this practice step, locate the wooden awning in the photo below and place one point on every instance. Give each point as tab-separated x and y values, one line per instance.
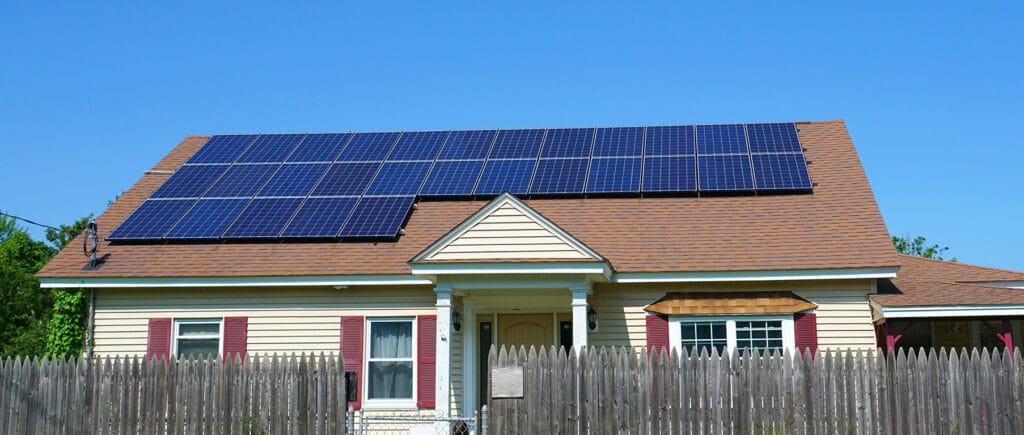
703	304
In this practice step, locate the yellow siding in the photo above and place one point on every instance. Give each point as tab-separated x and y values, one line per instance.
507	233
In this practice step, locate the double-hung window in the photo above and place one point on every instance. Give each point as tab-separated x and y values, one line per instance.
389	365
197	337
723	334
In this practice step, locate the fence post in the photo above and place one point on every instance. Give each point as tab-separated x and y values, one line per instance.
350	427
483	420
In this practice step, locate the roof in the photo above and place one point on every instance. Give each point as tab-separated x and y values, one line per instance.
838	226
928	282
730	303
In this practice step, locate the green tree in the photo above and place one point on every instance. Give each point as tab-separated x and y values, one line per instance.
60	238
25	309
918	246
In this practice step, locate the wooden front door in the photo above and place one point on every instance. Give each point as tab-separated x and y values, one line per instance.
537	330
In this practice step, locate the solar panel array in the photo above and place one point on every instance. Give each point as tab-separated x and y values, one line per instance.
363	185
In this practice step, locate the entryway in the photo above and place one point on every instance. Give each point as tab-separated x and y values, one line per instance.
519	329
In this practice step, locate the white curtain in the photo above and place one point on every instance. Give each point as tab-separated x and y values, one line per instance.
390	379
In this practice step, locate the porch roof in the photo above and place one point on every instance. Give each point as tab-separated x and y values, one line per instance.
926	282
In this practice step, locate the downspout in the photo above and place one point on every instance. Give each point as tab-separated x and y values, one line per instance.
89	324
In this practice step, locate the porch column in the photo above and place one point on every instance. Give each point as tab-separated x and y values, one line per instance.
442	389
579	316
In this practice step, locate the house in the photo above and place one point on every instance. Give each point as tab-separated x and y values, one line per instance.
416	304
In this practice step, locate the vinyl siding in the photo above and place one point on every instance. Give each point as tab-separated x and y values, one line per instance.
508	234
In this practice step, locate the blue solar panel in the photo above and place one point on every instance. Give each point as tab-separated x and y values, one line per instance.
619	142
399	178
721	139
320	147
568	142
346	179
241	180
418	145
773	138
263	218
672	140
294	179
270	148
511	176
452	178
614	175
152	219
724	172
669	174
517	144
560	176
207	219
780	172
222	149
378	216
320	217
469	145
365	147
190	181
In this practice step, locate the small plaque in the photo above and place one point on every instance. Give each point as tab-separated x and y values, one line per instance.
507	382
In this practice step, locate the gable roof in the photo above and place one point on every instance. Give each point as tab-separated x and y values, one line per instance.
838	226
928	282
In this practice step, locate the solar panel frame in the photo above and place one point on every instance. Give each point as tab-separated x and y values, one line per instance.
452	178
242	180
377	217
517	144
468	145
152	219
320	147
222	148
669	174
669	140
560	176
419	145
346	179
190	181
725	172
369	147
270	148
614	175
207	219
399	178
780	171
294	179
722	139
568	142
619	142
773	138
320	217
262	218
508	175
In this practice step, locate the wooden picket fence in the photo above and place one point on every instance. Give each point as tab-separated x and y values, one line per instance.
263	394
625	390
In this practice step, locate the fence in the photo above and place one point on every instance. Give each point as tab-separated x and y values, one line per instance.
626	391
278	394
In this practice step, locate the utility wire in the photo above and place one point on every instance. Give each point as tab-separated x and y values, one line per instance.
28	221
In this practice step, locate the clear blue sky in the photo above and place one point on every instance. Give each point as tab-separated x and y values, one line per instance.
93	95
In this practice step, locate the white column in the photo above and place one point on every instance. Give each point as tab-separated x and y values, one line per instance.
579	316
442	391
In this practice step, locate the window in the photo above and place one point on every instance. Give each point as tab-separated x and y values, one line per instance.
696	334
389	367
197	337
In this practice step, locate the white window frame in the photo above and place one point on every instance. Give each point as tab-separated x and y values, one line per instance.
177	335
389	403
675	332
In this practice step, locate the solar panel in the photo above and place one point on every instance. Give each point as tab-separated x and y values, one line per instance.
418	145
378	216
152	219
263	218
368	147
320	147
670	140
560	176
511	176
669	174
724	172
568	142
399	178
773	138
780	172
614	175
452	178
721	139
270	148
207	219
517	144
320	217
619	142
222	149
469	145
294	179
241	180
346	179
190	181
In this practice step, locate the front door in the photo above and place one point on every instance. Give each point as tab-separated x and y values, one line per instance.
537	330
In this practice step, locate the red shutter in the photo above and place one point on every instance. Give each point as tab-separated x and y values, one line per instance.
236	337
426	361
352	351
158	343
657	333
806	331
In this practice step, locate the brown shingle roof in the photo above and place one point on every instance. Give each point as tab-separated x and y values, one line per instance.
838	226
730	303
927	282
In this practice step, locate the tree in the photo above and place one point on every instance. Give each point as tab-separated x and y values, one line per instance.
917	246
25	309
60	238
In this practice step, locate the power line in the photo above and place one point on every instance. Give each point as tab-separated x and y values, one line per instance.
29	221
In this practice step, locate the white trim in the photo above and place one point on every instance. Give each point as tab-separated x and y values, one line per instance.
559	268
175	334
367	343
243	281
675	334
950	311
760	275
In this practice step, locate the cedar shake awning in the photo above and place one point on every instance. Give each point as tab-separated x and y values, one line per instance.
674	304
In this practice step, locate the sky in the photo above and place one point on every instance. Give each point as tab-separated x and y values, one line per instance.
96	93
